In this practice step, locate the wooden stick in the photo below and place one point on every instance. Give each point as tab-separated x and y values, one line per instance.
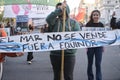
62	57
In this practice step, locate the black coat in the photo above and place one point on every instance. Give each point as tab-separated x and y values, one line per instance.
114	24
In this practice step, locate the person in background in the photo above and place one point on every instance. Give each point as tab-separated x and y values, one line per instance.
114	24
55	24
11	28
46	27
30	54
2	55
95	51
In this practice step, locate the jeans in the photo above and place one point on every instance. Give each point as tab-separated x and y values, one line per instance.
69	62
97	51
30	56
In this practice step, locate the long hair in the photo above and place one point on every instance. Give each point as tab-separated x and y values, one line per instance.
91	16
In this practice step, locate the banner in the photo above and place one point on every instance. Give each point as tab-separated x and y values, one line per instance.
96	29
59	40
33	11
22	18
40	2
40	22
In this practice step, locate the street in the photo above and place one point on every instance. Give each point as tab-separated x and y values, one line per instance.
40	69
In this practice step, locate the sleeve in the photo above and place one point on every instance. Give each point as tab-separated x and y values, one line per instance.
77	26
117	25
87	25
113	23
51	18
4	34
102	25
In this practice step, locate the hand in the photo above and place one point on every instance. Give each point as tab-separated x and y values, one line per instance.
18	54
64	4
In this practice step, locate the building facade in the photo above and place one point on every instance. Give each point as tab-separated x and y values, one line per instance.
107	7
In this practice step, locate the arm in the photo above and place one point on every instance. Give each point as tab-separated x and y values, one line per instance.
77	27
51	18
3	33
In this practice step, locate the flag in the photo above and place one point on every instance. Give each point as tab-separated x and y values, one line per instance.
80	16
39	2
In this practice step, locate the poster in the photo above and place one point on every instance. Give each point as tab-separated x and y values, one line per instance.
59	40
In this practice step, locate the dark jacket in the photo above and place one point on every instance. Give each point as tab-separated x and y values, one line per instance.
55	25
90	24
114	24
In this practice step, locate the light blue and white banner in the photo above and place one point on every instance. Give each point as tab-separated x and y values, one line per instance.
59	40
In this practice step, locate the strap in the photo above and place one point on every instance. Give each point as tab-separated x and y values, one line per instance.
58	25
69	24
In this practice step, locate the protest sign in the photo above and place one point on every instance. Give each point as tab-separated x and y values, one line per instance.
59	40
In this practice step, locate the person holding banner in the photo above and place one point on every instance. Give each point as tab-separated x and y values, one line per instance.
114	24
55	24
2	55
95	51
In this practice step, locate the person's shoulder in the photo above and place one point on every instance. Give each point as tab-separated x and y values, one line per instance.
3	33
118	24
73	20
100	23
88	24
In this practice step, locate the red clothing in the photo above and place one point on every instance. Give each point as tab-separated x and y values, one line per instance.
3	33
2	55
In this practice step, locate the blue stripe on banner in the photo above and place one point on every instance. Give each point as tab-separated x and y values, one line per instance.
59	40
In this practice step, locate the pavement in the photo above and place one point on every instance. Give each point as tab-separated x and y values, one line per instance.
40	69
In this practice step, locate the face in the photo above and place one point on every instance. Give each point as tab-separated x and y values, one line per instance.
95	16
2	26
60	6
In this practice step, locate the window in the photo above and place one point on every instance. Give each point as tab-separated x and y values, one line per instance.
108	2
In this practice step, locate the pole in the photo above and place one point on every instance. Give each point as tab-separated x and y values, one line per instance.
62	54
2	4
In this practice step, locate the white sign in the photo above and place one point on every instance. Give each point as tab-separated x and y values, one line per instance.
22	18
59	40
96	29
39	22
33	11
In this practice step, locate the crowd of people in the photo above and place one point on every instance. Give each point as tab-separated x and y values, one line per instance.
55	24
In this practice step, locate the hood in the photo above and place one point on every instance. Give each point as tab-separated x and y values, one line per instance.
67	10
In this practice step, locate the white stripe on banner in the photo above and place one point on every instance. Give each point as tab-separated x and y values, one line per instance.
59	40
